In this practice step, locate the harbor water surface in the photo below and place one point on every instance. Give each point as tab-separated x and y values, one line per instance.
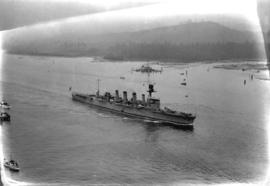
58	141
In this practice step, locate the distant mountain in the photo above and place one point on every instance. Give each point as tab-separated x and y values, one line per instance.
187	33
115	45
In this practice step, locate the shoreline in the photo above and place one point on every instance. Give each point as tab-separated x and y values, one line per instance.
102	59
243	66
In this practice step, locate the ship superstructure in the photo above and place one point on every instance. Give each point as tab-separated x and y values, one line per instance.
145	108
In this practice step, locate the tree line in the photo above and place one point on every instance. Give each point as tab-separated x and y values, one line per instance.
183	52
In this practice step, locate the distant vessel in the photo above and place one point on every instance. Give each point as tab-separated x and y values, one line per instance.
4	116
5	105
147	69
11	165
143	109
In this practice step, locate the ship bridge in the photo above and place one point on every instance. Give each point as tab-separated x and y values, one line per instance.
153	103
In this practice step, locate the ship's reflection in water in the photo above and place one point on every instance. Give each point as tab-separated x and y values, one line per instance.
57	140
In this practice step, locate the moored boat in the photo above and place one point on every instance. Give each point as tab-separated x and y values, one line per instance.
5	105
4	116
12	165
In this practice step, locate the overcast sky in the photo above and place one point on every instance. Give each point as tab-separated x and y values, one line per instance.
16	13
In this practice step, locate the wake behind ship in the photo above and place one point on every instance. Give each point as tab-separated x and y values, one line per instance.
147	109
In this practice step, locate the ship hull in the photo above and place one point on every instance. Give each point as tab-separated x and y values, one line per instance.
129	111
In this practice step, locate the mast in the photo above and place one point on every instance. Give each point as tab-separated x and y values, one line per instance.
98	80
150	89
150	84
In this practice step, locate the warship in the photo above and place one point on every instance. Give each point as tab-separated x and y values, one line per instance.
146	109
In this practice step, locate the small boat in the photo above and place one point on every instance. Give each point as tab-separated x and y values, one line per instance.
5	105
122	77
184	83
147	69
4	116
12	165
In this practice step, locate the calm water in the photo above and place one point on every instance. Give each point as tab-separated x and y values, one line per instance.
56	140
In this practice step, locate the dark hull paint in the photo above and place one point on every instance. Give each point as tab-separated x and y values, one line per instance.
143	114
